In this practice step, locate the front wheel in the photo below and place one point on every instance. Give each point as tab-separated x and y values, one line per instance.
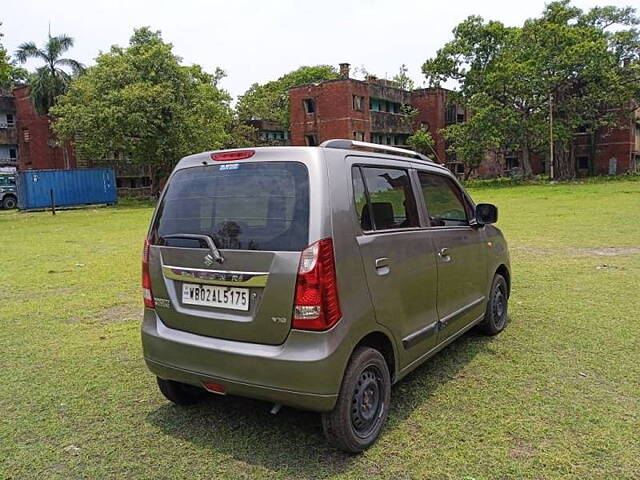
9	202
495	317
363	403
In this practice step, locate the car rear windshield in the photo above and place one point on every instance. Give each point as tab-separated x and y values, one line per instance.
242	206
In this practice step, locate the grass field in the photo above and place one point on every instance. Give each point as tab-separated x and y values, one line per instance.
557	395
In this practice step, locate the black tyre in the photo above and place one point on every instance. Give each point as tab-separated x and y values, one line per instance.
9	202
495	317
363	403
180	393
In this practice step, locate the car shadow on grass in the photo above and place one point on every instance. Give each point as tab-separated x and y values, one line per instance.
292	441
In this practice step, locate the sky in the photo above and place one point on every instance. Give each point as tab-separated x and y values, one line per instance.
258	41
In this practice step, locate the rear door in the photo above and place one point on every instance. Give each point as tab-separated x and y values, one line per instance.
257	215
461	251
397	254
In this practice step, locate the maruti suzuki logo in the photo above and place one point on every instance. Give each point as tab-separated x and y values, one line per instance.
208	260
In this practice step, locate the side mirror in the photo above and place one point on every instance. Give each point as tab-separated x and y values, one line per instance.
486	213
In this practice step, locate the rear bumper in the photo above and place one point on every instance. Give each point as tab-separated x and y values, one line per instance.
304	372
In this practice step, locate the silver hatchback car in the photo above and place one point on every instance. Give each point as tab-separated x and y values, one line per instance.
315	277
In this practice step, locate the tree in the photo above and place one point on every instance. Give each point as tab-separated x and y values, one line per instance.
270	101
422	141
10	74
51	80
402	79
472	140
141	104
582	68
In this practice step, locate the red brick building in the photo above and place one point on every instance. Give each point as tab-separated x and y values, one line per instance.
38	149
615	151
374	110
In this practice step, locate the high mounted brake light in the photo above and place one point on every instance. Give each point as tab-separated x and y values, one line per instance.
231	156
316	304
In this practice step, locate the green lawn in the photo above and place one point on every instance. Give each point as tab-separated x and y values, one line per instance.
557	395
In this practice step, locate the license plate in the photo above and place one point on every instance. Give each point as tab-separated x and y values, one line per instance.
214	296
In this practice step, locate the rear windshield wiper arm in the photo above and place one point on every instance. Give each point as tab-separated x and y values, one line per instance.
217	256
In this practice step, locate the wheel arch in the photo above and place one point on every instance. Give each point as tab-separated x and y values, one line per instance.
504	271
383	343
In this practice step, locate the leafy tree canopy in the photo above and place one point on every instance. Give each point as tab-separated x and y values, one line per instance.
270	101
402	78
142	104
581	67
422	141
10	74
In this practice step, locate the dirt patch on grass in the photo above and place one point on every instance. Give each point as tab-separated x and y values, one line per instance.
581	252
521	449
607	251
121	313
114	314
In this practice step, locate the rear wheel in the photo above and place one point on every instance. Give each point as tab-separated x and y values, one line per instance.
180	393
363	403
9	202
495	317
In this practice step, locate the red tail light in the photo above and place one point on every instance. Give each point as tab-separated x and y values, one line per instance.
146	278
316	305
230	156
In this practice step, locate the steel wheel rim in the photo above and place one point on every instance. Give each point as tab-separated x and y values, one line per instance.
499	305
367	402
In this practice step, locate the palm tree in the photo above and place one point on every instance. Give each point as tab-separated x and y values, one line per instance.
50	80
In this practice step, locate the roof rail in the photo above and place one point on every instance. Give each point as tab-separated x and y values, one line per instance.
354	144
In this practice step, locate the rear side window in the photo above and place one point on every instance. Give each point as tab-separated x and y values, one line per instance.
383	198
242	206
444	201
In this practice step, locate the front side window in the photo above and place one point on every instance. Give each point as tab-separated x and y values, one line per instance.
444	201
384	199
242	206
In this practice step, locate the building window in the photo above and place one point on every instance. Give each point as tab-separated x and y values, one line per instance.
358	136
26	135
10	120
311	140
358	102
13	153
583	163
309	105
512	162
453	115
379	105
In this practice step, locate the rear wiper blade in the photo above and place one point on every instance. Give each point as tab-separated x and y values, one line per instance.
217	256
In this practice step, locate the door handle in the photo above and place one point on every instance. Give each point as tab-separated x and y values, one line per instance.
382	262
382	266
444	254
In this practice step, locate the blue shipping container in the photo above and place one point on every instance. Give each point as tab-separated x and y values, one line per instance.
69	187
